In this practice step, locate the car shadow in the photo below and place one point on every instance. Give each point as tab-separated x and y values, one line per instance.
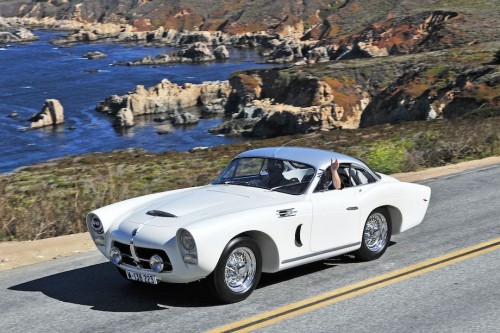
103	289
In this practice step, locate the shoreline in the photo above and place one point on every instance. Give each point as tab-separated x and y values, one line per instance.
15	254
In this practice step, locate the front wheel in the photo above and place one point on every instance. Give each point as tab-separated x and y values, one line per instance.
376	235
238	270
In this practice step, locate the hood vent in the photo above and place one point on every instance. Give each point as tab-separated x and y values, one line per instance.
160	213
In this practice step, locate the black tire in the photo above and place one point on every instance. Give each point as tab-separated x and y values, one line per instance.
376	235
236	286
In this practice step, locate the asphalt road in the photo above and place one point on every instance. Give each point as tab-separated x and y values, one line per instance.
84	293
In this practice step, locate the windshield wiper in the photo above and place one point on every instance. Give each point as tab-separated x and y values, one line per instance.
286	185
234	182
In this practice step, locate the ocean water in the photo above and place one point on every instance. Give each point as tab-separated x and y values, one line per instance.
32	72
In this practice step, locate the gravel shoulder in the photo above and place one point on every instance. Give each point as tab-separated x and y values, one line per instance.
17	254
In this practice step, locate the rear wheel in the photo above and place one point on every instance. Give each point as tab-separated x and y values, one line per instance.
238	270
376	235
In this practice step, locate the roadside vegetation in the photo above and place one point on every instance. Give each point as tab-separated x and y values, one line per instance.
52	198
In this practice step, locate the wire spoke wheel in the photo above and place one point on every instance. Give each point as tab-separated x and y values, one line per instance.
375	233
238	270
241	266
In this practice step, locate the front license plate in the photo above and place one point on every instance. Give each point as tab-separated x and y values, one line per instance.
151	279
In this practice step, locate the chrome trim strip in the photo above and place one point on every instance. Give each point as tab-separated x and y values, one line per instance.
132	248
320	253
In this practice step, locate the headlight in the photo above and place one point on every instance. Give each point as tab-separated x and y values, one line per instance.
115	255
189	255
96	224
156	263
187	241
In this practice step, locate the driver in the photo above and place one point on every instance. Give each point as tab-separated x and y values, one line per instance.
275	177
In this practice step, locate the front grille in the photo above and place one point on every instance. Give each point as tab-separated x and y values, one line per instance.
144	255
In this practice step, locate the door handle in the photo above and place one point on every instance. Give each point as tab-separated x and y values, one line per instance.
352	208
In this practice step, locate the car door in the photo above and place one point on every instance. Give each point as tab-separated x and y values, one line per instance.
335	222
336	213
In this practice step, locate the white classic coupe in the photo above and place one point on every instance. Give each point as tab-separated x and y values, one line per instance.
269	210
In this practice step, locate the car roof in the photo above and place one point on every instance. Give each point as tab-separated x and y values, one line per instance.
318	158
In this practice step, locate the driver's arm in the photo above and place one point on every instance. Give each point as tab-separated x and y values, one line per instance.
337	184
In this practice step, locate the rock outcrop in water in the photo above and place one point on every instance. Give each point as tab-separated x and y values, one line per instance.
52	114
197	52
17	36
169	99
124	118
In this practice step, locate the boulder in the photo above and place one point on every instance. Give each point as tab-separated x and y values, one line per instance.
198	52
95	55
221	52
20	35
52	114
185	118
124	118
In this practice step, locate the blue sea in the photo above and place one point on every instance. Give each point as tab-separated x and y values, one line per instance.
32	72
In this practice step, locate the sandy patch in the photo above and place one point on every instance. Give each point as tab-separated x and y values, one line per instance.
18	254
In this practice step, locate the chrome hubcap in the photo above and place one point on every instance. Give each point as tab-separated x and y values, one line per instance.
240	270
375	233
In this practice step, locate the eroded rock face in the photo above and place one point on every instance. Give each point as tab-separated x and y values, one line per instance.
265	119
169	99
52	114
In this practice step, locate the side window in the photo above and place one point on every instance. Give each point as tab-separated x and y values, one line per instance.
325	181
360	176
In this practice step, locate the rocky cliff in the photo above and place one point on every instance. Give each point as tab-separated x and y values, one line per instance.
362	93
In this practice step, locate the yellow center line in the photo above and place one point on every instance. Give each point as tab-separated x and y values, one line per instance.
310	304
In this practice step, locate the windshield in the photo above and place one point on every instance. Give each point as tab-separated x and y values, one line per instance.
268	173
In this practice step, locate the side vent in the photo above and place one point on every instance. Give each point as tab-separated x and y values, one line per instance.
160	213
286	212
298	242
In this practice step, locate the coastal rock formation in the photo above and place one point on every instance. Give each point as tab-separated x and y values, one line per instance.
18	36
265	119
124	118
323	96
168	98
95	55
52	114
197	52
459	91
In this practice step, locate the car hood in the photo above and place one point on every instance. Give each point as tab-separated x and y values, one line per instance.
188	206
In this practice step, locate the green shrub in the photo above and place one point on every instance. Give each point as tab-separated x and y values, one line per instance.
388	157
